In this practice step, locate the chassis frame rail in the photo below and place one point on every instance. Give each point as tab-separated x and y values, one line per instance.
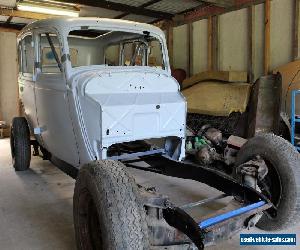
214	178
208	230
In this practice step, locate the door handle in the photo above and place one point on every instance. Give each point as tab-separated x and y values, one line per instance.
21	89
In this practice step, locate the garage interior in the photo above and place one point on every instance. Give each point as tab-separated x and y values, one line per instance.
210	43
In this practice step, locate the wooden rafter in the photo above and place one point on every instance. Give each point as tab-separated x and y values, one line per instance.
190	49
267	37
296	20
251	43
24	14
215	43
209	44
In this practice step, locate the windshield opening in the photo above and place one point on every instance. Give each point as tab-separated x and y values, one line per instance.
114	48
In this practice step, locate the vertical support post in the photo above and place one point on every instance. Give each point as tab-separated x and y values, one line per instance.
296	30
170	43
267	37
293	122
251	43
215	43
190	48
209	44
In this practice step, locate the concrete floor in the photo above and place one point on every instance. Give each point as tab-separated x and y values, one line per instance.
36	205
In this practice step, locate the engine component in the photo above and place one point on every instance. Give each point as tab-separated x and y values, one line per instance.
252	171
200	142
207	155
230	155
236	141
214	135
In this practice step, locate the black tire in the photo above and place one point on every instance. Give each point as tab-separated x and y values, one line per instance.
20	144
282	183
107	211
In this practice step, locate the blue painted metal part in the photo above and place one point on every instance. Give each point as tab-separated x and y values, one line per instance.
222	217
294	118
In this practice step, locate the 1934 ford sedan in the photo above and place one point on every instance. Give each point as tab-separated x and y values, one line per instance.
98	97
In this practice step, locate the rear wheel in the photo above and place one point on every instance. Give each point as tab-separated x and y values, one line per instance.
282	182
107	211
20	144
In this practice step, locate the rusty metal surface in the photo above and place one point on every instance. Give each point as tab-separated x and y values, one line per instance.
265	104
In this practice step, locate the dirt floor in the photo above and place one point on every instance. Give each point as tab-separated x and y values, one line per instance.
36	205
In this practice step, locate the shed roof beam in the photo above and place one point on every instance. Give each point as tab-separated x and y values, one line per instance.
221	3
141	6
121	7
211	10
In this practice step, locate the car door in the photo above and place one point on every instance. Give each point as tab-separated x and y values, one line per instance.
25	78
54	120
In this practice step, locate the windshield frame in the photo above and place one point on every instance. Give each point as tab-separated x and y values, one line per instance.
130	29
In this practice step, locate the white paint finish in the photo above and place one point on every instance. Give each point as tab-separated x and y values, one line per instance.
281	32
200	43
180	52
26	92
233	36
75	109
135	104
259	41
8	76
51	101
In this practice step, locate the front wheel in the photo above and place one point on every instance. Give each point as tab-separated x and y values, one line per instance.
281	184
107	211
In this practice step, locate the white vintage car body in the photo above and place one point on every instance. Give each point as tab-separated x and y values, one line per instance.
78	113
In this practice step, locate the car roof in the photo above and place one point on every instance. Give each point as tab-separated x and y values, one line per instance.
66	23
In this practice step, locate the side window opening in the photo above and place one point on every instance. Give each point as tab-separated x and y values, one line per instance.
20	57
28	54
49	53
